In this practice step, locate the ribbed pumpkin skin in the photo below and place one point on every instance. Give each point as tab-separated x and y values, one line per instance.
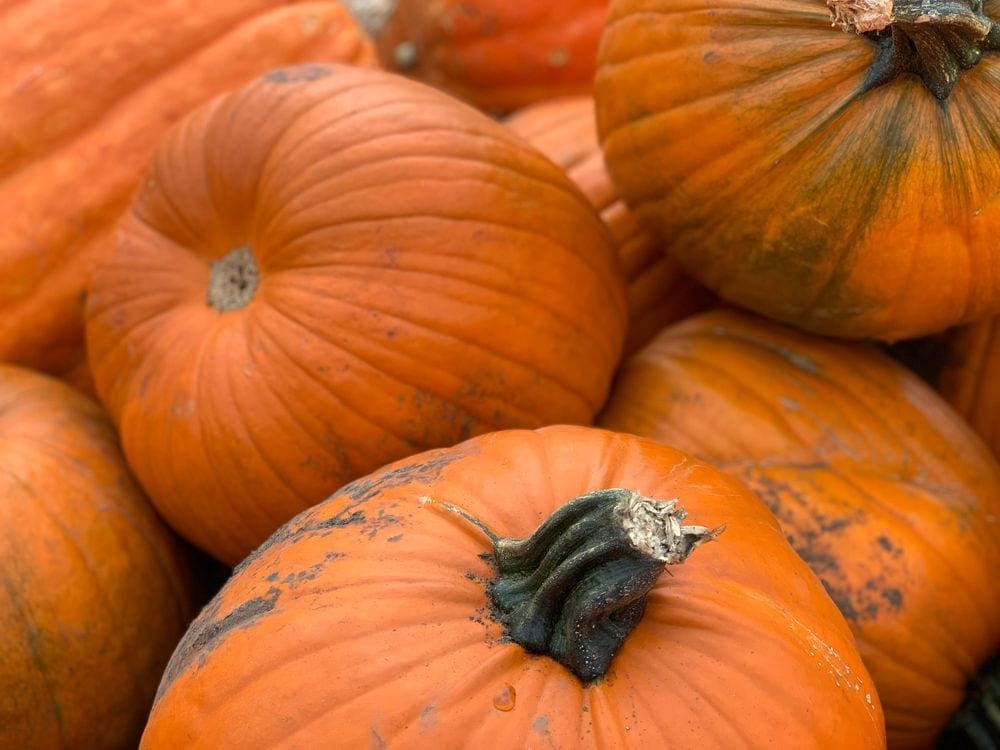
739	132
87	90
878	484
425	275
659	293
496	54
365	619
94	591
970	380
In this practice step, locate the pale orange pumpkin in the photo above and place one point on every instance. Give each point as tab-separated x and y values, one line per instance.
332	268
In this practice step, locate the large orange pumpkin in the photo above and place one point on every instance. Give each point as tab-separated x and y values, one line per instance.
496	54
333	268
831	180
87	89
94	590
659	292
878	484
383	618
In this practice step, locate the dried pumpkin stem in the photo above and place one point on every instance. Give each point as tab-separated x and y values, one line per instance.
233	280
933	39
577	587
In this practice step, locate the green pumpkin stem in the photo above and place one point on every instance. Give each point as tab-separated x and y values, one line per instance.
976	725
933	39
577	587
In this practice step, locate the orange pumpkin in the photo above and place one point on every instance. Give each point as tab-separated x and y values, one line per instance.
496	54
970	377
658	292
827	179
94	590
877	483
87	89
392	615
341	267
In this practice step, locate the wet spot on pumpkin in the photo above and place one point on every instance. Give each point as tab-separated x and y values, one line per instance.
298	74
208	631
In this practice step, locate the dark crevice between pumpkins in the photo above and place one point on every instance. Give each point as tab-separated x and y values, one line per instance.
935	40
577	586
976	725
233	280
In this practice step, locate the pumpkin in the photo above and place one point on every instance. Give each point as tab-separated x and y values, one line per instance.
839	182
497	54
94	590
878	484
485	594
341	267
970	377
86	92
658	291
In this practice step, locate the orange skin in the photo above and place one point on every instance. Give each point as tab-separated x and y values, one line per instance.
87	91
400	235
659	293
94	590
970	377
740	134
497	54
877	483
365	619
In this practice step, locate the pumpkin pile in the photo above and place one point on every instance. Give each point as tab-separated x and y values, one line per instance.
594	373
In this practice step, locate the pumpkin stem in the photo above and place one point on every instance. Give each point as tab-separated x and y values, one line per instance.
933	39
577	587
233	280
976	725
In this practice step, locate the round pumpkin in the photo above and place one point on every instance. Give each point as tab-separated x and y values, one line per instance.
879	485
87	90
420	607
840	182
497	54
340	267
94	590
659	293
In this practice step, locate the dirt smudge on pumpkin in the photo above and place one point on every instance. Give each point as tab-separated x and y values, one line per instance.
819	539
428	717
209	630
298	74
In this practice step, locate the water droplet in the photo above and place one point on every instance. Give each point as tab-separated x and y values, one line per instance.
504	700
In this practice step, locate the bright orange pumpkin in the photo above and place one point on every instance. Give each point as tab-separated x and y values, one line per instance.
340	267
878	484
381	618
497	54
659	293
94	589
87	89
827	179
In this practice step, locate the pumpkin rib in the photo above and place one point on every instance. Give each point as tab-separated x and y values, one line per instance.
370	366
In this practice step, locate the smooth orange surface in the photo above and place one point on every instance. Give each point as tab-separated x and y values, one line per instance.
497	54
659	293
365	622
879	485
94	592
425	275
87	90
739	131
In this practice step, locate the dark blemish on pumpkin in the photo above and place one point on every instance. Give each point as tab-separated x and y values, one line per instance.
894	596
331	556
424	472
428	717
376	743
298	74
206	632
710	57
541	724
273	577
394	538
